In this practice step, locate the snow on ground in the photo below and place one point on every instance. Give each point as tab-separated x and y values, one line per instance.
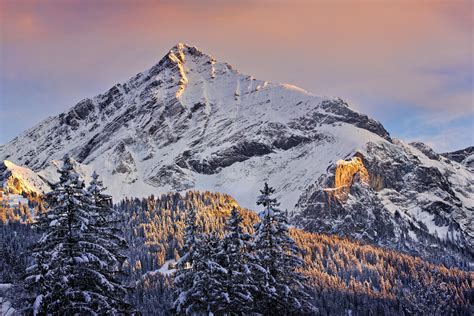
165	268
14	200
6	306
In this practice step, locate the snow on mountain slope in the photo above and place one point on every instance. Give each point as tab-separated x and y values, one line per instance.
192	122
21	180
464	156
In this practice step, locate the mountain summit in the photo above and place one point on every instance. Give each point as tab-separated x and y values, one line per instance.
191	122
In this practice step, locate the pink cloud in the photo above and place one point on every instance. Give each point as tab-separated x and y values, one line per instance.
344	48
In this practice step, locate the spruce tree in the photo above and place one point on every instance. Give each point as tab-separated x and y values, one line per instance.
105	232
199	279
184	276
281	285
207	294
77	259
236	258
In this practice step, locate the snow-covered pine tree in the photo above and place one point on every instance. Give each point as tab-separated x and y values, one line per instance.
104	231
185	274
104	212
77	256
199	279
207	295
281	286
235	256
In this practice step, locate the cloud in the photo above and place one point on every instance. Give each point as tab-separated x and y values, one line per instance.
378	54
450	138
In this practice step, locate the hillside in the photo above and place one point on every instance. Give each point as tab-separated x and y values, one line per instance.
360	277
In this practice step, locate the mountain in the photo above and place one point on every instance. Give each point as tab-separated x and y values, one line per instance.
191	122
464	156
393	194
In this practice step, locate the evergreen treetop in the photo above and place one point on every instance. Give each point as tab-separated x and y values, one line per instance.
281	284
78	258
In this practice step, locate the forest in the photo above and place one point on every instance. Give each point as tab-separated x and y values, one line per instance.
341	275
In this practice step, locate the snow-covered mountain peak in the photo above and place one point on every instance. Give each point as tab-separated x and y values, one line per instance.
183	59
191	122
182	51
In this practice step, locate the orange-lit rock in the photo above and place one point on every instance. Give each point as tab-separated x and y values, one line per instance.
346	173
21	180
177	56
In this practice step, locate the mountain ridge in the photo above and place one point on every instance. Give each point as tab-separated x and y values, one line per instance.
464	156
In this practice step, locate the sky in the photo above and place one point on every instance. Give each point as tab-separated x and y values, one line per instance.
406	63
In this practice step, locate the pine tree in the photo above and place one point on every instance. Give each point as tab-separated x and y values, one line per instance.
104	232
184	276
207	295
199	279
281	285
77	259
236	258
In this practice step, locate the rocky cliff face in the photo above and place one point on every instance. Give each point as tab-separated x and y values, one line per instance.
192	122
394	195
